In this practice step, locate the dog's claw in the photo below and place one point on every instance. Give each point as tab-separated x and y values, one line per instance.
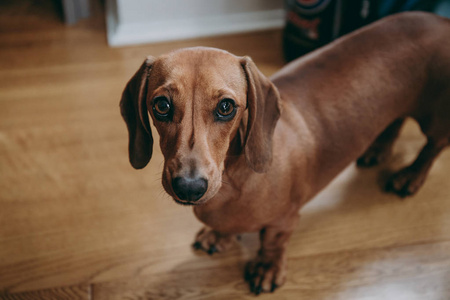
211	241
212	250
252	286
403	193
197	245
258	290
388	187
365	162
262	278
404	183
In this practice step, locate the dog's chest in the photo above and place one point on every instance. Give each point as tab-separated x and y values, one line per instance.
242	209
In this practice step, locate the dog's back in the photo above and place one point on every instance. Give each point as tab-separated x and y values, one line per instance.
396	67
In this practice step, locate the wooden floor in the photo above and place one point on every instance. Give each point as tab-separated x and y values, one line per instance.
77	222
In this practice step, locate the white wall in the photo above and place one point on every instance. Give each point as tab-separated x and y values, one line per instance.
144	21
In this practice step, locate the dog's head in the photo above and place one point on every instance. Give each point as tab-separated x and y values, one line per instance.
201	101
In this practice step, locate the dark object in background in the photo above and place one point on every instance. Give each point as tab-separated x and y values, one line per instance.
311	24
75	10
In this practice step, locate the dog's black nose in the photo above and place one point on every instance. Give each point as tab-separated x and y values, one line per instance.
190	189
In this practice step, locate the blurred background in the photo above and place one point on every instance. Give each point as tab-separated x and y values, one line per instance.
308	23
77	222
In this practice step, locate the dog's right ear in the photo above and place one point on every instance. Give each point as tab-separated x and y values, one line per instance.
133	108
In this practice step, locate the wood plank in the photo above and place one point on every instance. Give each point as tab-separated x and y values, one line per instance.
82	292
412	272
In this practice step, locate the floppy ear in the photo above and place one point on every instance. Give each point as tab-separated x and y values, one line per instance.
133	108
263	114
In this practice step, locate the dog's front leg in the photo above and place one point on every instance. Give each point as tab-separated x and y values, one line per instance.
268	270
211	241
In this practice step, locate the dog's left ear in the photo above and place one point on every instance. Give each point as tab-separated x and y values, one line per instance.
133	108
263	113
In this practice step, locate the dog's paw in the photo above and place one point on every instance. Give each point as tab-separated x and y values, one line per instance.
372	157
212	241
265	275
405	182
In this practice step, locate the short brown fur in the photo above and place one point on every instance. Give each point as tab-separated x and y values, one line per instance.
293	134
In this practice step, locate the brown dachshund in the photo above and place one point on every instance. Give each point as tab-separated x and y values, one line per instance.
248	152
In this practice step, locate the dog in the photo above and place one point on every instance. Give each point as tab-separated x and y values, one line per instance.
247	152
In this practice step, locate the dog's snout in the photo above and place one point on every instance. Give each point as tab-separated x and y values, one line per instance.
190	189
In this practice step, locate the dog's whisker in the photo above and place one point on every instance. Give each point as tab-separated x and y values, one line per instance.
158	175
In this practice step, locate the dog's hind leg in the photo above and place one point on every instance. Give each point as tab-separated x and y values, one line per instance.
434	121
382	146
408	180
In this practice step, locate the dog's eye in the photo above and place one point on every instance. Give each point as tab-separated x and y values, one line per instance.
226	109
161	107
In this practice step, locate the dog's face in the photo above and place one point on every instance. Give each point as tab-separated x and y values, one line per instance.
198	98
